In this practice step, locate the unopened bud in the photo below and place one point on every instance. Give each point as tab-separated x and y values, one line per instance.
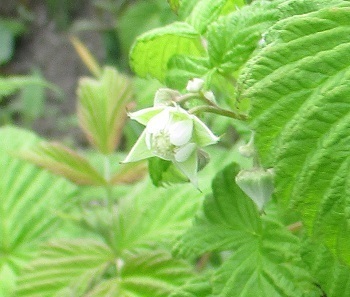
165	97
209	95
195	85
247	150
258	184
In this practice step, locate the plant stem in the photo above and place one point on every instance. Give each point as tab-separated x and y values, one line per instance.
218	110
109	198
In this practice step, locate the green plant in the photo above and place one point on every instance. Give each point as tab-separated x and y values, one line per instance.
279	72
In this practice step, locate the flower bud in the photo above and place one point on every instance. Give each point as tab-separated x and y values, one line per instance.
195	85
165	97
209	95
258	184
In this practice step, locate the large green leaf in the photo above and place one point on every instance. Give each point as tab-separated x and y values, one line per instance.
90	268
233	38
102	108
152	50
332	276
299	88
65	267
265	255
29	201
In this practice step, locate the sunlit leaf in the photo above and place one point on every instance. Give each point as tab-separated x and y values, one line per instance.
299	88
65	266
264	256
152	50
30	200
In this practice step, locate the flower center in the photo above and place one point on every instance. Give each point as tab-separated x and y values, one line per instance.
161	145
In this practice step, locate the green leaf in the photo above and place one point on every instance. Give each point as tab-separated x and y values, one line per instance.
265	256
152	50
86	267
299	89
32	100
224	218
63	161
30	199
102	108
140	17
72	265
204	13
148	215
146	275
332	276
183	68
233	38
174	4
10	85
7	44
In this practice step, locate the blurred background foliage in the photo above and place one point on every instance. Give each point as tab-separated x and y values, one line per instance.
39	67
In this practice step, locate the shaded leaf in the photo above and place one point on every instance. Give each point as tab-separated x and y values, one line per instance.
10	85
63	161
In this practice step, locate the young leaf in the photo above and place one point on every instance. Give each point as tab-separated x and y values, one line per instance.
260	260
30	198
152	50
63	161
102	108
145	275
300	114
204	13
72	265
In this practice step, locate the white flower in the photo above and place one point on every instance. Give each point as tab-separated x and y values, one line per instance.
195	85
171	134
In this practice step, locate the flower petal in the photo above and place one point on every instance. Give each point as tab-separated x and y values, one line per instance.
203	135
143	116
139	151
189	168
185	152
181	132
159	122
